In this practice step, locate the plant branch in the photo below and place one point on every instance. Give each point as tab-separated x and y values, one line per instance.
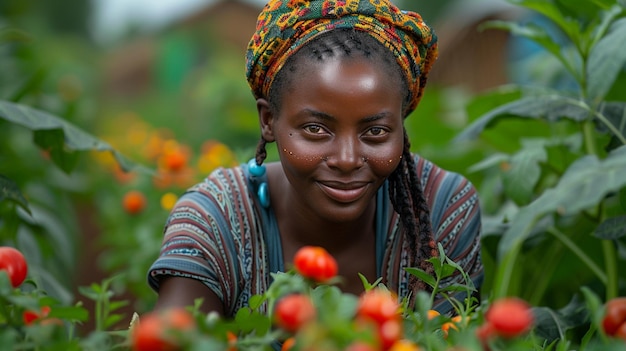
580	253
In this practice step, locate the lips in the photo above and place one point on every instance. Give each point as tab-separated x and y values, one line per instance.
344	192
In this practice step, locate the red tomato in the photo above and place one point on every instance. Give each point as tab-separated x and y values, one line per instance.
159	331
378	305
316	263
13	262
510	317
615	315
31	316
389	333
293	311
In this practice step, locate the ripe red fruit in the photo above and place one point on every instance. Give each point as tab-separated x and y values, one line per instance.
161	330
510	317
615	315
316	263
389	333
29	317
134	202
378	305
294	311
13	262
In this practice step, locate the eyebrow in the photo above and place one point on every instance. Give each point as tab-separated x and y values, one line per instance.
327	117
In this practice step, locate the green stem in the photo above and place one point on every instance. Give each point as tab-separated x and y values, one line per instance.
616	132
588	133
541	284
610	264
504	274
580	253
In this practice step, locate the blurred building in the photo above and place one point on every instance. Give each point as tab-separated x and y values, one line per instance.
469	57
169	53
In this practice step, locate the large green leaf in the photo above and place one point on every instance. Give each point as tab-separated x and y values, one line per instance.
521	178
586	182
548	107
59	136
569	26
606	60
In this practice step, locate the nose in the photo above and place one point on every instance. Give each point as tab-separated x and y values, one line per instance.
346	154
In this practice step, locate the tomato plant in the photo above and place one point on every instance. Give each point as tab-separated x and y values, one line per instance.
294	311
12	261
315	263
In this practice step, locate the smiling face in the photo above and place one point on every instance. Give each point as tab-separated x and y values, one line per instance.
339	133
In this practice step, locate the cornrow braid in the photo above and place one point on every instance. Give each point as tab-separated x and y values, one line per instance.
408	200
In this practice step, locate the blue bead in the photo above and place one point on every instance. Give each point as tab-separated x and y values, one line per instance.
255	169
264	195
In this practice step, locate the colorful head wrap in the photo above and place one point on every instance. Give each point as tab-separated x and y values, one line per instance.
286	25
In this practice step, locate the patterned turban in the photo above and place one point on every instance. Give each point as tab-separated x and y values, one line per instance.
284	26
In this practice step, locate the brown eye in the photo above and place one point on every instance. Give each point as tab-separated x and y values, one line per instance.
376	131
313	129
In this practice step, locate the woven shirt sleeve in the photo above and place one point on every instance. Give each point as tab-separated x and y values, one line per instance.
198	244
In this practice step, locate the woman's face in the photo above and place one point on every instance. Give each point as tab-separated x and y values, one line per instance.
339	133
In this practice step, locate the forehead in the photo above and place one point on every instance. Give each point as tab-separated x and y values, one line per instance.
340	83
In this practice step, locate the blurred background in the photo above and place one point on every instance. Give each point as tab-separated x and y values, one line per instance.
163	82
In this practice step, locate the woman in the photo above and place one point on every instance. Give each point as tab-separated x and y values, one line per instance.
333	82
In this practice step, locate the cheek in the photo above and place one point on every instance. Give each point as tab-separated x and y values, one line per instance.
383	161
299	152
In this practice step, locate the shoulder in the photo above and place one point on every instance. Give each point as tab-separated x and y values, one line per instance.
222	194
439	182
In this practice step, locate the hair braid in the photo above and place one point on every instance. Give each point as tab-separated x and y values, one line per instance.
261	152
408	200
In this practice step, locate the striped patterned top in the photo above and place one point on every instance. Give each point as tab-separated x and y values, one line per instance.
219	234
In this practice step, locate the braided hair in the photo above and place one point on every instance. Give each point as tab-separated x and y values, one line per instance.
405	193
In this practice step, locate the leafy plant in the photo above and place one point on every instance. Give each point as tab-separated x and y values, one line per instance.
556	156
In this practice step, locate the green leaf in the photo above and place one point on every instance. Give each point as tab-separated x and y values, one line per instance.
585	183
554	324
427	278
10	191
569	26
606	60
52	127
540	36
256	301
594	304
521	178
547	107
53	141
69	313
611	229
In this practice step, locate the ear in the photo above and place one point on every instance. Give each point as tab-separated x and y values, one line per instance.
266	118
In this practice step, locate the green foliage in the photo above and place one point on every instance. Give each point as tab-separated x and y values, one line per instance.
557	175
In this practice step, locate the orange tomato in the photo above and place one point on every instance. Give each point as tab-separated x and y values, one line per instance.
134	202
